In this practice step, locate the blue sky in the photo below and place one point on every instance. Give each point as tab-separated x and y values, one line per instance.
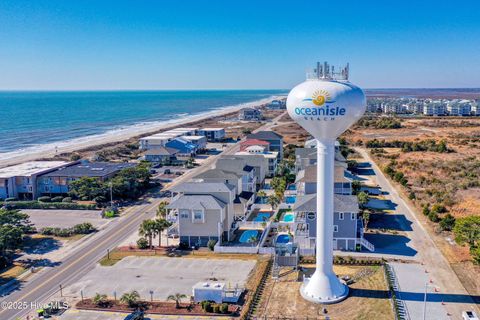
93	44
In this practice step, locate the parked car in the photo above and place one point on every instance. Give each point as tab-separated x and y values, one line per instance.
469	315
137	315
167	171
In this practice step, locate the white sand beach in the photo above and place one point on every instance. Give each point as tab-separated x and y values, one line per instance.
116	135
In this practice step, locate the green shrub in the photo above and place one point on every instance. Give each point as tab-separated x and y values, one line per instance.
439	208
45	199
224	308
475	252
142	243
57	199
51	205
207	306
211	244
83	228
216	308
447	223
433	216
109	214
10	199
67	200
426	210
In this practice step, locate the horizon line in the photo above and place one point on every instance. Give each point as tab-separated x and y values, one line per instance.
227	89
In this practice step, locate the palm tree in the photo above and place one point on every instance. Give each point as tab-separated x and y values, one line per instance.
147	229
162	209
177	297
159	226
261	194
130	298
273	200
100	300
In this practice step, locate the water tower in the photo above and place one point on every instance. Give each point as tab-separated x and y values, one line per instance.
325	105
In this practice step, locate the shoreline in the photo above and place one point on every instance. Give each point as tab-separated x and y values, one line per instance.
118	135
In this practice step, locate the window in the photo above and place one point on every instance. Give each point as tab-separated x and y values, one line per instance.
184	214
197	216
335	228
341	216
353	216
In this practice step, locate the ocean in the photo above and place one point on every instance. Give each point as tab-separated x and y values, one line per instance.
30	119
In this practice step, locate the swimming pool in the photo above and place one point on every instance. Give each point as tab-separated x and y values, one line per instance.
292	187
283	238
261	200
290	199
262	216
288	217
247	235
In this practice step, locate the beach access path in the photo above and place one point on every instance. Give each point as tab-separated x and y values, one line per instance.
47	283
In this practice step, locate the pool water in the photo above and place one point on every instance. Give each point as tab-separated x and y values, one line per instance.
283	238
262	217
247	234
292	187
290	199
288	217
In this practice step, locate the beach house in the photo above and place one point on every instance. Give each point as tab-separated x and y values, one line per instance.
212	134
347	226
20	181
185	148
274	139
306	180
200	142
204	211
163	155
57	181
250	114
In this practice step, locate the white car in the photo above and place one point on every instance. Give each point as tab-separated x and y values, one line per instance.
469	315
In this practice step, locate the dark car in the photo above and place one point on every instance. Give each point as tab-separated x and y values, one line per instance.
137	315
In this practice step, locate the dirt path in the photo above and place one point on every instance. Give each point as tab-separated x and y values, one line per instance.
431	257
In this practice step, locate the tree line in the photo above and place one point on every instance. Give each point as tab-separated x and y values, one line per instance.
129	183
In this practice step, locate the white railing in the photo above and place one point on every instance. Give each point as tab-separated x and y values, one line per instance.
306	251
252	224
364	242
233	249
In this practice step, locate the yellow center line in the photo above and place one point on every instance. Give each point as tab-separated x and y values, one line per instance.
24	297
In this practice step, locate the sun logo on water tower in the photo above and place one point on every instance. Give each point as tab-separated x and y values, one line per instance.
320	97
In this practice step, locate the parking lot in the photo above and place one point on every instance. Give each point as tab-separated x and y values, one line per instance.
64	218
164	276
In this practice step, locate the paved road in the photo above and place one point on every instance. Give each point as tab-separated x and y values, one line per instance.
46	283
454	295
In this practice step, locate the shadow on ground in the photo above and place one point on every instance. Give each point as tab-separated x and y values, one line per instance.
417	296
391	244
389	221
41	245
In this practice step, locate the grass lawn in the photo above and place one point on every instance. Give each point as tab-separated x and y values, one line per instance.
11	272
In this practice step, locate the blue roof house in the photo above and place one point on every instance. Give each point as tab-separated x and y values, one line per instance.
183	146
